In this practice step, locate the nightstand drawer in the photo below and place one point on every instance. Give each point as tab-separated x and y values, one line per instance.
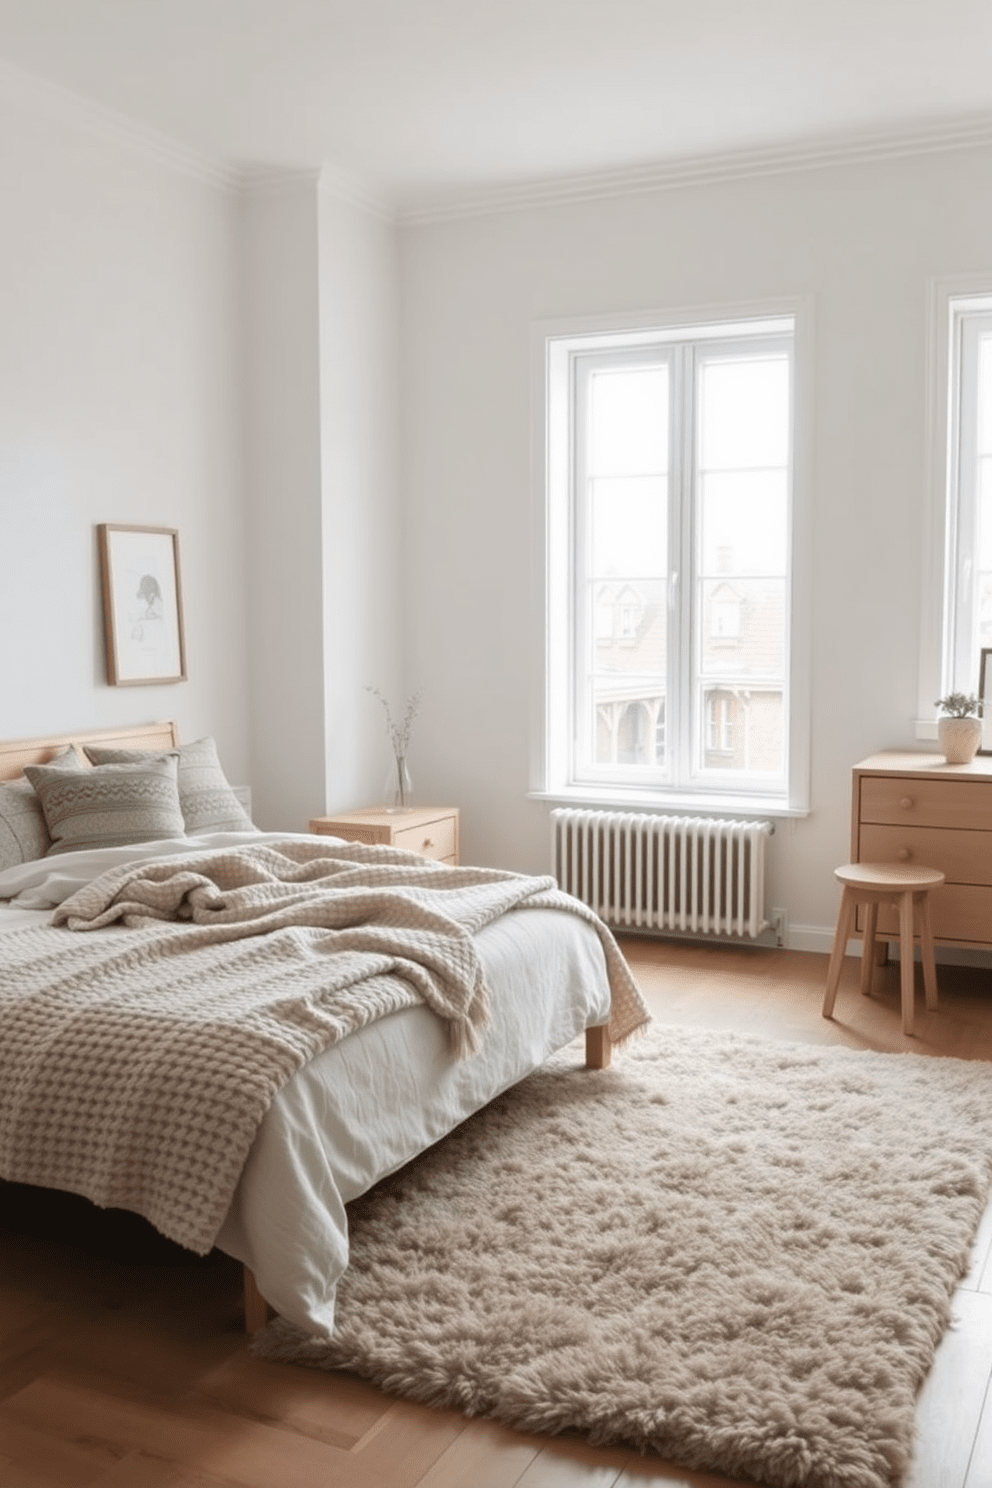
963	857
431	831
435	839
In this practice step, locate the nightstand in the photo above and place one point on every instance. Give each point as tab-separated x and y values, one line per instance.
431	831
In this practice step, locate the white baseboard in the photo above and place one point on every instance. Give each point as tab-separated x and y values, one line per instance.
811	938
821	938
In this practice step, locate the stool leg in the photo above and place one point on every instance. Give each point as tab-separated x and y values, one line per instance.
926	952
845	922
906	965
868	948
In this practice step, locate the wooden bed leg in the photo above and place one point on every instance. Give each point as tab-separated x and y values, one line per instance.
257	1310
599	1050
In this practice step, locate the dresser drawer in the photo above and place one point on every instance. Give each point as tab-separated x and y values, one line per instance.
926	803
435	839
961	912
964	857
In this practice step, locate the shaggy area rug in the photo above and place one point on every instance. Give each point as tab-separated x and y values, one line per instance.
737	1253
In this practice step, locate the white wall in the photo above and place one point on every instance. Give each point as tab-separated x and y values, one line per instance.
321	433
362	528
283	496
119	402
863	241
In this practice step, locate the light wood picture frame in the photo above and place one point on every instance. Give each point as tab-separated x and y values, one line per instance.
142	604
985	697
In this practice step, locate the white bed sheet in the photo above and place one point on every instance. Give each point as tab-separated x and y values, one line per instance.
367	1105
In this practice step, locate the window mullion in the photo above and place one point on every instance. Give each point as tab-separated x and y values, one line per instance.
680	659
963	617
582	708
962	546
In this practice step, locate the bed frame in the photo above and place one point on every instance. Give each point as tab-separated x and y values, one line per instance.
16	753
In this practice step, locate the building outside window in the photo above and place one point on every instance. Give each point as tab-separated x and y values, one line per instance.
720	711
671	490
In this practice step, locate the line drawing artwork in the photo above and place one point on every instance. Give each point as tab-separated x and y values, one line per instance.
142	604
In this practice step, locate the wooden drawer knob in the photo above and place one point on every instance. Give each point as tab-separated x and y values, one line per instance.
428	842
905	802
904	855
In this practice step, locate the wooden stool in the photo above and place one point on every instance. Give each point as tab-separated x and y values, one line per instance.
872	884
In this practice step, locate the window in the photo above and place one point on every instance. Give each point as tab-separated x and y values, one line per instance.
967	516
670	506
720	723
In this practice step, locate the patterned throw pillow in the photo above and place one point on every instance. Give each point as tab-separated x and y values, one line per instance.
207	801
109	806
23	834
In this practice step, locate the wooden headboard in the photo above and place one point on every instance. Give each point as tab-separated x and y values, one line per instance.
16	753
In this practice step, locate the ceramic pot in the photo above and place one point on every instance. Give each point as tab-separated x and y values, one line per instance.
959	738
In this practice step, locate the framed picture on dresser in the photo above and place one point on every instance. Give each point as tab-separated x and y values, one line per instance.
985	697
142	604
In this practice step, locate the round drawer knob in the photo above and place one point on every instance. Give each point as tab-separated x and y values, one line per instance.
905	802
428	842
904	855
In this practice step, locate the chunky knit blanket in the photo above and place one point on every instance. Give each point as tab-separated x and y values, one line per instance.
137	1064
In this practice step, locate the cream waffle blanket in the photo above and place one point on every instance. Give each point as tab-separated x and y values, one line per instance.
136	1064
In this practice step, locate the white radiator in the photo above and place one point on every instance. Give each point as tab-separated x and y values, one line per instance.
695	875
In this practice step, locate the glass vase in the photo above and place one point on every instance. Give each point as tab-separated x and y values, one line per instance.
397	793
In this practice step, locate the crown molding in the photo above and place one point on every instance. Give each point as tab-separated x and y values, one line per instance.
357	192
972	131
37	95
32	93
274	180
329	180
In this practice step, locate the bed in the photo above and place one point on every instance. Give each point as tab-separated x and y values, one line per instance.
358	1108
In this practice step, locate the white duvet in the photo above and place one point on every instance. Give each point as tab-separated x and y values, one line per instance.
367	1105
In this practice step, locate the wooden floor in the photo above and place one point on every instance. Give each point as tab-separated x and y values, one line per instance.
122	1364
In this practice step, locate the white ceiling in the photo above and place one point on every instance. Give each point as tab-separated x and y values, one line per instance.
418	98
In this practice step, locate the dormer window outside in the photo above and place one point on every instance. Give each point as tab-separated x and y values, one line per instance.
726	615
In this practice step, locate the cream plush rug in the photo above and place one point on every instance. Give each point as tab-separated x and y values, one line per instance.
735	1252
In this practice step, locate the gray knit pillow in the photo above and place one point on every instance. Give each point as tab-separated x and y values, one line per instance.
207	801
110	806
23	833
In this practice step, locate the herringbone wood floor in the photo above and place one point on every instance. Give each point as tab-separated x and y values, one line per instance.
122	1364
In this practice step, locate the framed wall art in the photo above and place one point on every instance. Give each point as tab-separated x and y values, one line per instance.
142	604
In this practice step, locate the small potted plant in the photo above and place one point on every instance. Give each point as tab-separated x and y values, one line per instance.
960	728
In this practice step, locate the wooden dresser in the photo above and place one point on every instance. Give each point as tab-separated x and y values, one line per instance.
915	808
431	831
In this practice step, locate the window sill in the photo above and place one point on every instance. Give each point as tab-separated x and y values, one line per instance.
601	797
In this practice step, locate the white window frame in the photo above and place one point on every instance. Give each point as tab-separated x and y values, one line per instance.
954	306
553	345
